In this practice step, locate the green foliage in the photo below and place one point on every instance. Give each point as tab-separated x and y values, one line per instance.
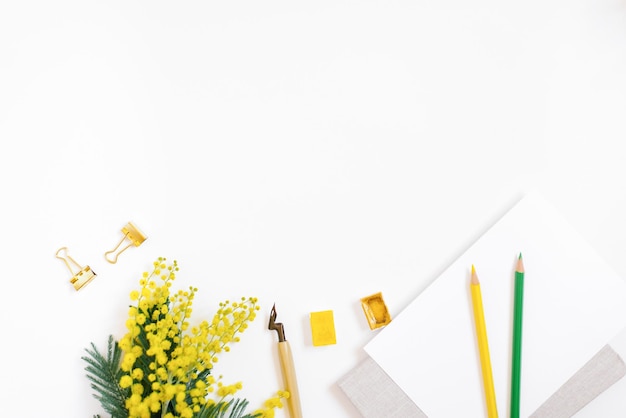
236	407
104	374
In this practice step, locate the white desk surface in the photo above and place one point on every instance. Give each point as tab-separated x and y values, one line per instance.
307	154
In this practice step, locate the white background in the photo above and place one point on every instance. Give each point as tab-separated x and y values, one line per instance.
308	154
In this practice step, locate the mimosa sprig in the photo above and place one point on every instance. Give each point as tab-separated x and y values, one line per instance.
163	366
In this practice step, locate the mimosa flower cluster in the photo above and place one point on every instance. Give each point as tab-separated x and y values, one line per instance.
165	365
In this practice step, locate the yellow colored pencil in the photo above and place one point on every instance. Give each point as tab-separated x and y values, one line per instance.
483	346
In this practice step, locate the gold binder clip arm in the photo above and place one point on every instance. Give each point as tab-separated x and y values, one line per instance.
133	235
84	275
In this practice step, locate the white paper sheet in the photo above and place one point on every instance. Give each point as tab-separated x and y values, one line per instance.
573	305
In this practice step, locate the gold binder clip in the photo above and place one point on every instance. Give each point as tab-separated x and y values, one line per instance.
84	275
133	234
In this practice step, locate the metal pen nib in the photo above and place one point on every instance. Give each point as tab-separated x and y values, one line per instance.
276	326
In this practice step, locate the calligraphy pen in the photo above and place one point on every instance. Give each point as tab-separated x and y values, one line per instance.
287	367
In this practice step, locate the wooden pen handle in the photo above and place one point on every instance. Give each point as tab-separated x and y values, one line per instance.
289	379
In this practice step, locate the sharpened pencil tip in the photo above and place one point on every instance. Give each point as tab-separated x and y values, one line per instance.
520	256
474	278
520	264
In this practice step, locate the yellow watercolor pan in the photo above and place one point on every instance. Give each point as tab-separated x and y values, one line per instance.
323	328
375	310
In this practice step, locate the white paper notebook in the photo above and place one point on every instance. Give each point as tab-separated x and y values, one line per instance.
573	305
375	395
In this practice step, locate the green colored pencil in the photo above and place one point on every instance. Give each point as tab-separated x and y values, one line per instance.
516	362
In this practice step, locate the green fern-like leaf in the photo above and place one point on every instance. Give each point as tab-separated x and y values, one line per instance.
104	374
235	408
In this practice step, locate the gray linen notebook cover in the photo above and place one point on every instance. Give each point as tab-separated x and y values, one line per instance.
376	395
